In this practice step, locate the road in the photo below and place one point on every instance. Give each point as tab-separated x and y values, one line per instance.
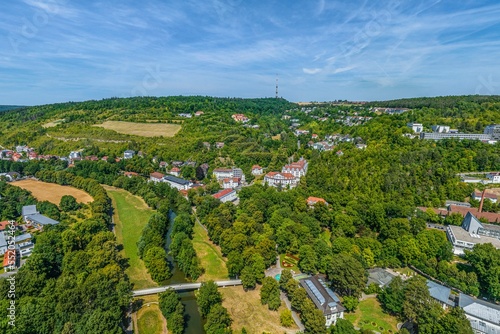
182	287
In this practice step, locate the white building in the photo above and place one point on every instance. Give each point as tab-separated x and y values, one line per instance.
128	154
175	171
297	169
226	173
75	155
477	195
484	317
324	298
257	170
441	128
416	127
493	131
283	180
231	183
156	177
494	177
176	182
226	195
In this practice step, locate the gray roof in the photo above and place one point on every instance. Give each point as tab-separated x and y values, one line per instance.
42	220
440	292
471	223
29	210
3	242
323	297
379	276
129	152
22	237
462	235
481	309
174	179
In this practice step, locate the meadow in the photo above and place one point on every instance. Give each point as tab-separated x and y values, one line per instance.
142	129
52	192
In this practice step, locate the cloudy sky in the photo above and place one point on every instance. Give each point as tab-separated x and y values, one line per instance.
321	50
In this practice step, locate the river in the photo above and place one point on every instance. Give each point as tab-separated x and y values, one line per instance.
194	323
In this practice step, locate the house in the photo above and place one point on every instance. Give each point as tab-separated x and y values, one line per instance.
440	128
32	217
283	180
324	299
156	177
130	174
177	163
222	173
206	145
10	260
477	195
176	182
484	317
311	201
314	136
464	204
198	113
416	127
16	156
297	169
361	146
3	225
3	243
441	294
491	217
339	153
257	170
186	115
219	144
75	155
379	276
301	132
226	195
472	232
494	177
24	244
231	183
128	154
175	171
240	118
163	164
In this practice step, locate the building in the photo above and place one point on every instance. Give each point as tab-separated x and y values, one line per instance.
441	294
225	173
130	174
240	118
176	182
226	195
324	298
416	127
493	131
156	177
379	276
472	232
219	144
175	171
257	170
281	180
311	201
3	225
361	146
450	135
231	183
32	217
185	115
484	317
128	154
75	155
10	260
491	217
198	113
494	177
3	243
477	195
441	128
297	169
464	204
24	244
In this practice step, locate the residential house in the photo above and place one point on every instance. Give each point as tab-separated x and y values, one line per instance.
198	113
206	145
324	299
130	174
10	260
441	294
494	177
477	195
163	164
3	225
484	317
24	244
128	154
224	173
240	118
311	201
176	182
314	136
156	177
257	170
219	145
177	163
361	146
440	128
231	183
472	232
185	115
3	243
281	180
301	132
175	171
226	195
297	169
339	153
33	218
75	155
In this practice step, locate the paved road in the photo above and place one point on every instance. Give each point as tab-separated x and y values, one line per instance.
182	287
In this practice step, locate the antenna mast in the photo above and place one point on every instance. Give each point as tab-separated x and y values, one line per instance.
276	86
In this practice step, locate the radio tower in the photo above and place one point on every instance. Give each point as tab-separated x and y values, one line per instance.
276	86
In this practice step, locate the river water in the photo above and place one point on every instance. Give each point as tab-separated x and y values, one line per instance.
194	323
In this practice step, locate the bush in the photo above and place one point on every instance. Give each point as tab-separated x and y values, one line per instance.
286	318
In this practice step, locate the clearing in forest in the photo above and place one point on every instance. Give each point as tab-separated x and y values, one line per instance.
210	256
53	123
130	216
246	311
44	191
142	129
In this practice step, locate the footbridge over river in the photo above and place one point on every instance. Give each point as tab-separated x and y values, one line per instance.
182	287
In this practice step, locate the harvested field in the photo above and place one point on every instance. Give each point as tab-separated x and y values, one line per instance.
53	123
52	192
142	129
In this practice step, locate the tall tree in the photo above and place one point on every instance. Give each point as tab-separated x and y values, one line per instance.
208	296
347	275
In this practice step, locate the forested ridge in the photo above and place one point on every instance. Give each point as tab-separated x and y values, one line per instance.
370	220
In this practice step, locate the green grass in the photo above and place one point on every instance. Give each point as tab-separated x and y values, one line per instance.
369	311
131	215
326	235
149	320
291	261
209	255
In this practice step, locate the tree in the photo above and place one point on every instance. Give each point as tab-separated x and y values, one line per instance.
313	319
347	275
218	320
307	259
270	293
68	203
350	303
286	275
168	302
343	326
417	298
298	298
286	319
455	321
208	296
248	279
392	296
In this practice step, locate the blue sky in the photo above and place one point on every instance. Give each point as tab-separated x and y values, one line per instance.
68	50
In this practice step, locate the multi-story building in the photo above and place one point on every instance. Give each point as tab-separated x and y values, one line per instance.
231	183
484	317
283	180
257	170
460	136
128	154
493	130
416	127
297	169
227	173
176	182
226	195
494	177
156	177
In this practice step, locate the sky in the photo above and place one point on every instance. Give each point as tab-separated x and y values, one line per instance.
320	50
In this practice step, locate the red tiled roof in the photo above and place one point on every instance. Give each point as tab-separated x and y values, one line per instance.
486	195
6	256
175	169
156	175
286	175
490	216
3	225
234	179
130	174
256	167
314	200
222	193
222	170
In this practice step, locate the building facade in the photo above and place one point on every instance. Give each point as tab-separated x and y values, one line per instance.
281	180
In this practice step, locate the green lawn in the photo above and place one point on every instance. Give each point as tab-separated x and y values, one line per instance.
131	215
209	255
370	312
150	320
325	235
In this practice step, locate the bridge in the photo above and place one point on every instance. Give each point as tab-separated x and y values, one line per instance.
182	287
